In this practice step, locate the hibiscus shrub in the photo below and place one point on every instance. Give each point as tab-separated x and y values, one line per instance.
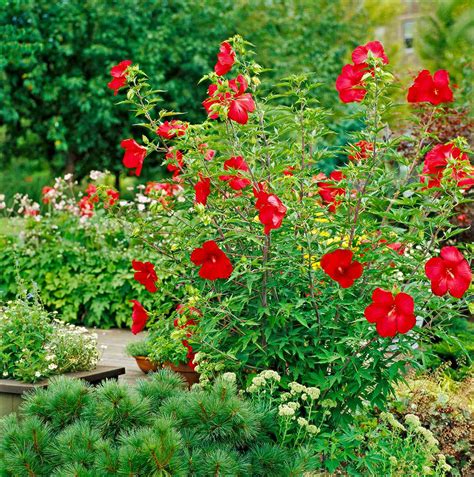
328	280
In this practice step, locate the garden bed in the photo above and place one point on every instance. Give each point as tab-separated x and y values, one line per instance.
11	390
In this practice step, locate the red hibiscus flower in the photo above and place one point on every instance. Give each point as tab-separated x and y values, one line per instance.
214	98
113	197
209	156
236	181
119	76
430	89
436	161
449	273
169	130
225	59
329	192
139	317
362	150
176	161
134	155
202	190
349	84
48	193
340	267
391	314
359	55
289	171
242	103
213	261
145	274
271	210
237	102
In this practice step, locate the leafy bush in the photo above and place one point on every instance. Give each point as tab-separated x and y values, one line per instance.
157	429
381	445
33	346
331	281
445	407
83	267
453	352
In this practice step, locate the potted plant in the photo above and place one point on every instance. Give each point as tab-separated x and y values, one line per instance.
140	350
169	345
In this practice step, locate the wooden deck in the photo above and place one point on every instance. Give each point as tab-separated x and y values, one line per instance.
114	354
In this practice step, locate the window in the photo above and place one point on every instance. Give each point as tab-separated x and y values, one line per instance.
408	32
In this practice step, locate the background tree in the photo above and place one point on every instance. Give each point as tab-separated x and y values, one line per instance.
57	112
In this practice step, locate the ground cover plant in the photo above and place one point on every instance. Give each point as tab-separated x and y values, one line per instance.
332	280
35	344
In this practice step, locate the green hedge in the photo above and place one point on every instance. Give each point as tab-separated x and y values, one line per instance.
83	271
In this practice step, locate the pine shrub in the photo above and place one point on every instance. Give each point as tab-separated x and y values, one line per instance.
157	429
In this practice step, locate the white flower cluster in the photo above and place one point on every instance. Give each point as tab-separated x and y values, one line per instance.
230	377
389	418
285	410
297	388
97	175
442	463
261	380
414	422
2	201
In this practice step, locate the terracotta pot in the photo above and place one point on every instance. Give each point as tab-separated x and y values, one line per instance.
191	376
145	364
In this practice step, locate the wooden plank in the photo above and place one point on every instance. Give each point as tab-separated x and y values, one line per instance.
11	386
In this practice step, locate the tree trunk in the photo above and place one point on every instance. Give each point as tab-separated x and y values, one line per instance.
71	163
